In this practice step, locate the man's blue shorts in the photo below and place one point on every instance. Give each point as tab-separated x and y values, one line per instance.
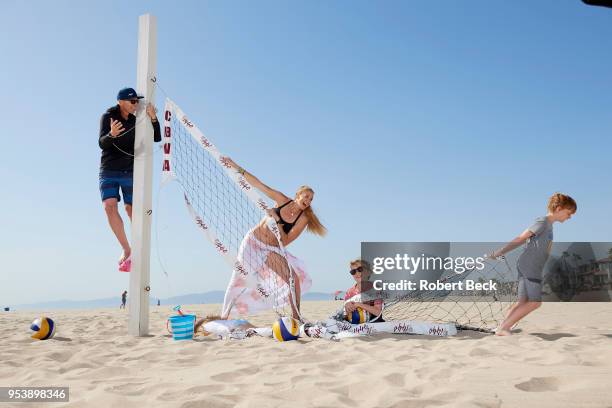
113	180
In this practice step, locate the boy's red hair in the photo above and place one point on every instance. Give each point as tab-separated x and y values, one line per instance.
561	201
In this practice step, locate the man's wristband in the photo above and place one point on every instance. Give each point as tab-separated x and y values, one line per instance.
154	120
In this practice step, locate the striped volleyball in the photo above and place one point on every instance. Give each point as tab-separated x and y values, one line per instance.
358	316
285	329
43	328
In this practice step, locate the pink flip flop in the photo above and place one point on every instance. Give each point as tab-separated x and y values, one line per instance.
126	265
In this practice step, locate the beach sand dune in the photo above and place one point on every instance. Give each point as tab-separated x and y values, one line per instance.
560	357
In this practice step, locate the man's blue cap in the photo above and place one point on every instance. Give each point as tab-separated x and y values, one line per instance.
127	94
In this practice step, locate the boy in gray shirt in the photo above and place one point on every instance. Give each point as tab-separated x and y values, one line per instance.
539	239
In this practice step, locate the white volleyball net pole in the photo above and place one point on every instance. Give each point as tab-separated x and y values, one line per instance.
143	176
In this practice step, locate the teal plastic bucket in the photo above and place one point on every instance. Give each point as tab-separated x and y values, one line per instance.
182	327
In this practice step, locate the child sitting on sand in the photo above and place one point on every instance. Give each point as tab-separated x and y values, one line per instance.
539	238
360	270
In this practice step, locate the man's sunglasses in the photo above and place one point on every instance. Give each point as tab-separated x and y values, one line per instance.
134	101
354	271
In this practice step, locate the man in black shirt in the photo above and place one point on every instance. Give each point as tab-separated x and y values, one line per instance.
116	139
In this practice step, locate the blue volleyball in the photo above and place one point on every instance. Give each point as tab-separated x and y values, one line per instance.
286	329
358	316
43	328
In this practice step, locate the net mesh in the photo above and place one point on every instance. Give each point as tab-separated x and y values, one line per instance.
475	310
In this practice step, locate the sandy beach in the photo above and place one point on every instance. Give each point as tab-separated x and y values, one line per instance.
561	356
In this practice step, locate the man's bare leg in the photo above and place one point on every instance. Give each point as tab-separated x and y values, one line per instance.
116	224
128	210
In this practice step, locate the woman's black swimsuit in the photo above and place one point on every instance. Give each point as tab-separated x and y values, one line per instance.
286	225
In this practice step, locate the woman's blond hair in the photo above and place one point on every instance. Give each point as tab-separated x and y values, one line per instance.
561	201
314	224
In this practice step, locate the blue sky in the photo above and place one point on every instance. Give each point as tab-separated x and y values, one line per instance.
413	121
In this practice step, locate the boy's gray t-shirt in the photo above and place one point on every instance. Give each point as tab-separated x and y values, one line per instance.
531	262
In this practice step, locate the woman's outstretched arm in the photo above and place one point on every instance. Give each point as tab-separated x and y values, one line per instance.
275	195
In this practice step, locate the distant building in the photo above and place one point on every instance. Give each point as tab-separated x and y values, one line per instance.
596	275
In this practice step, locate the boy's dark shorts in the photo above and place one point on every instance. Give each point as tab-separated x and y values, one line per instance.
111	181
529	289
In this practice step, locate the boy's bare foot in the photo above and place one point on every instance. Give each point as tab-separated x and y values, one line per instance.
125	255
502	332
